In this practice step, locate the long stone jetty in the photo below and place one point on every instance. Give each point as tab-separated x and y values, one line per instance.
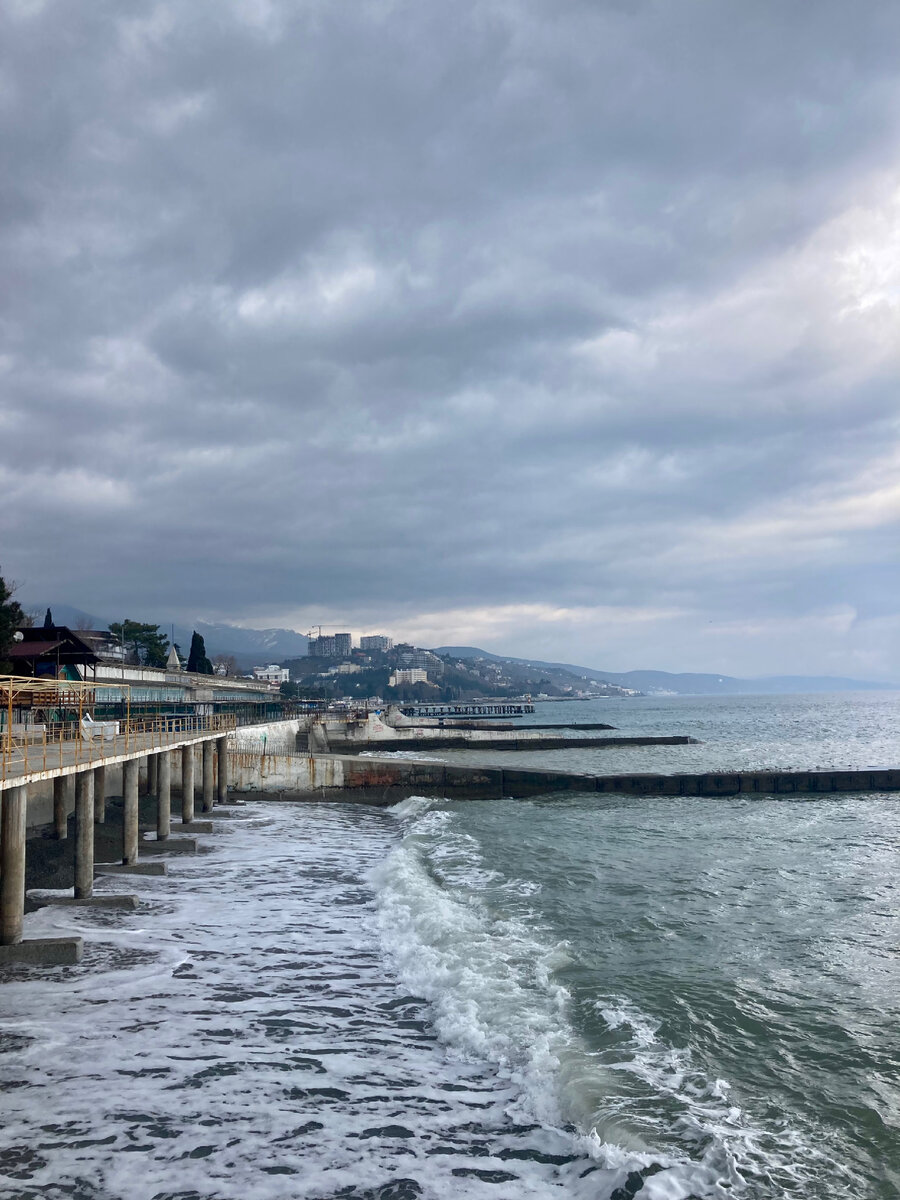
290	775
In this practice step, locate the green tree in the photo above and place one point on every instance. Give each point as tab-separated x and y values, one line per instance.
11	617
197	660
144	644
48	619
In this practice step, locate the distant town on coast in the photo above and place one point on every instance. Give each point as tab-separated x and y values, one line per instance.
330	666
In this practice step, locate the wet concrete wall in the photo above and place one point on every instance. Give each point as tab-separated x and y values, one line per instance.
385	780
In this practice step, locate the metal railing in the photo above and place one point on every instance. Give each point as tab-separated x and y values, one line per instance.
28	748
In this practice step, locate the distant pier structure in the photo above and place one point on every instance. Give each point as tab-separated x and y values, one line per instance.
467	710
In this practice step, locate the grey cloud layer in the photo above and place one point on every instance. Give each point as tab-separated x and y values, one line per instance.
384	308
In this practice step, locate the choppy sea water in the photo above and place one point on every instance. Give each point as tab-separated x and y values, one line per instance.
584	996
841	731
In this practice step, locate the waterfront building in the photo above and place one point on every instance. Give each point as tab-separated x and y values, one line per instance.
54	651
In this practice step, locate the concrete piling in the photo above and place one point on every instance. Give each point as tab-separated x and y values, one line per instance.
222	772
208	788
61	806
84	834
153	774
12	857
187	783
164	796
100	795
131	772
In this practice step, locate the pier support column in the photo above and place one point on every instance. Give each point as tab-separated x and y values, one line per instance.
12	854
164	796
131	773
100	794
84	834
187	783
208	786
61	806
153	774
222	778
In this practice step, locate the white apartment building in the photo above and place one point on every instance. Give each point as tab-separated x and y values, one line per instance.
272	674
413	675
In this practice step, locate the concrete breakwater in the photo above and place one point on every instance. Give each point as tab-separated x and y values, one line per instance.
384	781
325	733
450	739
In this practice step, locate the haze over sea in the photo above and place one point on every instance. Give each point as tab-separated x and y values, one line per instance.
580	995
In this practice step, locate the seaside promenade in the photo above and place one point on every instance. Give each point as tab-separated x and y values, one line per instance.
69	756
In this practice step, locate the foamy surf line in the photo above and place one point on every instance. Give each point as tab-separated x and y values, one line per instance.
239	1036
462	936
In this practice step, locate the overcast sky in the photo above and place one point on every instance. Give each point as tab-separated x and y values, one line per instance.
565	328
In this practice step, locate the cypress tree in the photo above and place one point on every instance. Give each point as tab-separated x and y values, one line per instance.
48	619
197	660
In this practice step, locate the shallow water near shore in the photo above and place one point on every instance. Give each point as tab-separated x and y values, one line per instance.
578	995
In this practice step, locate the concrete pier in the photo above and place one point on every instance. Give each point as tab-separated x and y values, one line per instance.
38	951
12	859
61	793
222	771
164	795
209	794
42	789
100	795
187	783
84	834
130	826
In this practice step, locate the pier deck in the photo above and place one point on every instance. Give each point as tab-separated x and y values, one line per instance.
52	758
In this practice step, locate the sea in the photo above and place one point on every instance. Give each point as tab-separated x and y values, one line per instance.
573	995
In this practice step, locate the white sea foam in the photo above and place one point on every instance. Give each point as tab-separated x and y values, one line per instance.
413	806
402	755
729	1143
238	1036
462	937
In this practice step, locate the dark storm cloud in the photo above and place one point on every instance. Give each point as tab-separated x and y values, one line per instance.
575	323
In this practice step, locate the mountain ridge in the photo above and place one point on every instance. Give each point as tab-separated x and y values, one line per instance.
688	683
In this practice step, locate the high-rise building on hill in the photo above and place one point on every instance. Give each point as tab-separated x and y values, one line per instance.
336	645
376	641
422	660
